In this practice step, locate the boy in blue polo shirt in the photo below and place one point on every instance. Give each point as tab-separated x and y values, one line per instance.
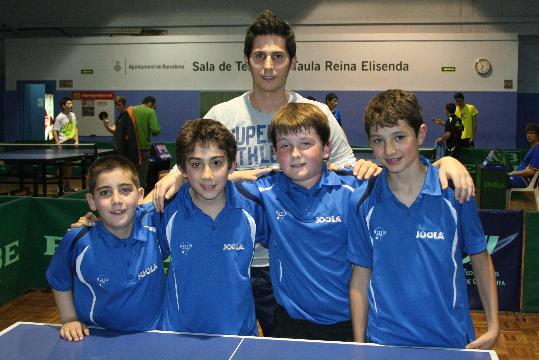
110	275
210	228
406	241
306	207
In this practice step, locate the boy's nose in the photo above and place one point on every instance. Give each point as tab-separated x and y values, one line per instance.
268	62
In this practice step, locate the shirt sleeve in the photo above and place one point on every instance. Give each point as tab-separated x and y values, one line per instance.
471	229
534	161
61	269
341	152
154	123
474	110
360	250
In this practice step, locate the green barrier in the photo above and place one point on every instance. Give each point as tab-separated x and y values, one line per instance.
492	187
76	195
50	218
531	263
7	198
14	234
34	227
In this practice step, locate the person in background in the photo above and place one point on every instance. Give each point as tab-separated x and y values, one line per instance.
145	118
331	101
65	131
121	108
530	164
468	114
453	129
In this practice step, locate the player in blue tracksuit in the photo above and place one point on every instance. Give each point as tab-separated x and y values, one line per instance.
406	241
306	209
110	275
210	229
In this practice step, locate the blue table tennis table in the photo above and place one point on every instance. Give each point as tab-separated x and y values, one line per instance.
30	341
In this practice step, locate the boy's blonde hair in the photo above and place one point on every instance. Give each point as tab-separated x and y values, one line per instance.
295	117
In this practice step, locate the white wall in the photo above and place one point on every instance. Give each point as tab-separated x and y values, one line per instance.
326	62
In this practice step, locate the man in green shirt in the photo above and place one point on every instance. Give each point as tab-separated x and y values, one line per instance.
147	125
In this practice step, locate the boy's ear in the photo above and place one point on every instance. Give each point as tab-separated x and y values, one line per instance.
327	150
91	202
232	167
140	199
421	134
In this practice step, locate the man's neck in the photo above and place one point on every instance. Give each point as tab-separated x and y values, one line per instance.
268	102
66	112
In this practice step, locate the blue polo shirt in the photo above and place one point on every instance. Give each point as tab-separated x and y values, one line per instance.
117	284
208	288
307	241
417	293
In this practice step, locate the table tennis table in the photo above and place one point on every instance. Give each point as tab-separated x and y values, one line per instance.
30	341
40	156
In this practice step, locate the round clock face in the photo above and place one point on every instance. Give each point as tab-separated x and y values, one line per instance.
483	66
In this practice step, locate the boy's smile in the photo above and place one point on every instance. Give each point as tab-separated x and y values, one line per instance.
301	156
116	199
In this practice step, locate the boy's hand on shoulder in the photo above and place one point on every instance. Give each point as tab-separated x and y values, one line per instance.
365	169
88	219
451	168
165	189
74	331
247	175
485	341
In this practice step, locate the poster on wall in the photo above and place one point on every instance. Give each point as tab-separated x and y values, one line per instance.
49	116
87	105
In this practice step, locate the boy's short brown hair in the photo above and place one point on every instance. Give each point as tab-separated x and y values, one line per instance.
390	106
295	117
109	163
533	128
204	132
267	23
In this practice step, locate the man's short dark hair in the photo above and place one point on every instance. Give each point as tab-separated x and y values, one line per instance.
109	163
390	106
451	108
103	115
63	101
532	127
120	99
458	95
295	117
204	132
148	100
267	23
331	97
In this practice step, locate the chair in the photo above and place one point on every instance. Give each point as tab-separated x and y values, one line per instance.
533	187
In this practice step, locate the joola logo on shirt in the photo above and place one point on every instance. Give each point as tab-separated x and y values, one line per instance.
237	247
150	269
328	219
435	235
185	247
102	280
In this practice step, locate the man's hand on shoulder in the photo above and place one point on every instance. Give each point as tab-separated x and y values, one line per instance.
365	169
451	168
88	219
